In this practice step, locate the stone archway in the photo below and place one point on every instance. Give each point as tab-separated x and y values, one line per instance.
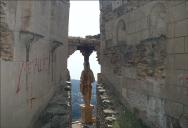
86	46
77	43
120	32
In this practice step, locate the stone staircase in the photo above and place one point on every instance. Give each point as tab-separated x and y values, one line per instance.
106	114
78	124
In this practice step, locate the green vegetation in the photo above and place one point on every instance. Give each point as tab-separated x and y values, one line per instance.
128	119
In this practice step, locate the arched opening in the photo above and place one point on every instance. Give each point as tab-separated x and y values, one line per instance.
121	32
83	25
75	67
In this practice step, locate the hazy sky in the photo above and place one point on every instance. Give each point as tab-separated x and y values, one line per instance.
83	20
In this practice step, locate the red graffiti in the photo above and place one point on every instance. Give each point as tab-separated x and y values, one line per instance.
19	79
184	77
36	65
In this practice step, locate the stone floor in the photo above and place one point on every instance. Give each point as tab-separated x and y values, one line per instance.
78	124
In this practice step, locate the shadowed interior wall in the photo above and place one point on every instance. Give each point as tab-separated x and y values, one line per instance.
33	57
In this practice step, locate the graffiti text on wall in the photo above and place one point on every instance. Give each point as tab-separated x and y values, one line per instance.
34	66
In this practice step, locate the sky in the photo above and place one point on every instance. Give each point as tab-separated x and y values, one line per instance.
83	20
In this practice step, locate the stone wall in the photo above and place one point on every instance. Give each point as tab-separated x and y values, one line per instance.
144	57
6	37
33	54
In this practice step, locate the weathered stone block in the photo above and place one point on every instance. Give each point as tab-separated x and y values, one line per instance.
155	106
181	61
108	30
179	12
143	23
186	44
176	93
124	93
116	4
130	72
184	121
134	84
145	34
140	24
185	109
179	45
136	99
173	109
138	14
175	3
181	28
181	78
6	45
171	77
170	62
170	30
170	45
131	27
137	38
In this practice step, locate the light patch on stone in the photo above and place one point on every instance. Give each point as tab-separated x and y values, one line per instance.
186	44
173	109
124	93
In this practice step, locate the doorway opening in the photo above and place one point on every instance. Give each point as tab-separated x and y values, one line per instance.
75	66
